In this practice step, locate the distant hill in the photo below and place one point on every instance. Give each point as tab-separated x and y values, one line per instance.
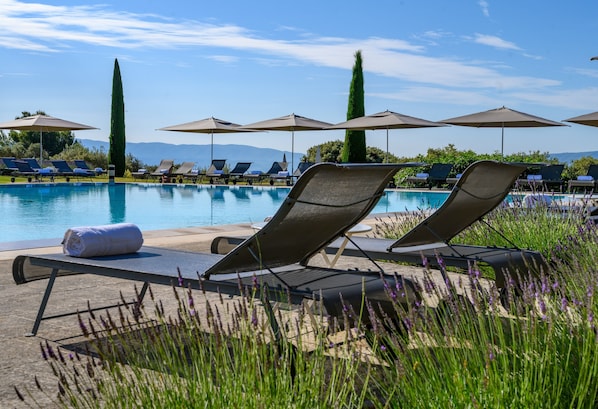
567	157
151	153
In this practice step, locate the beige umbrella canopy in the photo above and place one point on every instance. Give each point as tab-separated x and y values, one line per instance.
209	125
43	123
587	119
385	120
501	118
289	123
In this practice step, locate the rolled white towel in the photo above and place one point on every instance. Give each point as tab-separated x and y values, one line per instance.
106	240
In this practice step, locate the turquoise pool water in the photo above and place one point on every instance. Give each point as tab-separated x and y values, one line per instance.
42	211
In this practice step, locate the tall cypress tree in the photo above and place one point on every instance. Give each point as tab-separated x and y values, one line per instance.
116	153
354	149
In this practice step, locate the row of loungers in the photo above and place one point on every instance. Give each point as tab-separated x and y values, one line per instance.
32	170
166	172
548	178
324	204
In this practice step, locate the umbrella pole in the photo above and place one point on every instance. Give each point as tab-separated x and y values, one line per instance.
502	142
212	148
292	151
41	148
386	145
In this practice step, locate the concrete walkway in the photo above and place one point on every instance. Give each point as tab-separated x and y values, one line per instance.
20	357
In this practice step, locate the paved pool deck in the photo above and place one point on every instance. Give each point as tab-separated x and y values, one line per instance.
20	357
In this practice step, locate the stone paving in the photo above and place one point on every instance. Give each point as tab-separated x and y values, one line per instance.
20	357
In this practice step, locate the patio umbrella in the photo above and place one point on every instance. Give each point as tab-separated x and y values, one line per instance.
587	119
209	125
385	120
43	123
501	118
290	123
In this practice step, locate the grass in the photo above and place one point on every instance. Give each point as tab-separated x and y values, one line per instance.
466	351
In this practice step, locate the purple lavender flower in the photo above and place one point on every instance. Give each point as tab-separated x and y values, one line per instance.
564	304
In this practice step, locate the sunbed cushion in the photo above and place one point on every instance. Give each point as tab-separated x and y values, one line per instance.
585	178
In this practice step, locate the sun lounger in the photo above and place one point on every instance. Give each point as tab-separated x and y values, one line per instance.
63	169
325	202
547	179
163	170
238	172
482	187
9	165
587	182
436	176
140	174
81	164
216	171
185	171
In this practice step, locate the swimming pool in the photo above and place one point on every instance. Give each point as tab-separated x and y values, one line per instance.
41	211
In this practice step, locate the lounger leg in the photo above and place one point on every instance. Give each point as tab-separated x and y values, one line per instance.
42	306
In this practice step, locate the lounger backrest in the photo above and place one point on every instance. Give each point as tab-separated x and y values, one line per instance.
480	189
81	164
185	167
165	164
62	166
302	167
274	169
9	163
219	164
440	170
552	172
325	202
33	163
593	171
240	168
23	166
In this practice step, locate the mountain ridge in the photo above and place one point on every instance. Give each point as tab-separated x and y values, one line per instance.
151	153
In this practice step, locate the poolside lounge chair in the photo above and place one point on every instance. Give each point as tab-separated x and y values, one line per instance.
302	167
238	172
185	171
81	164
587	181
140	174
24	170
9	165
436	176
480	189
547	179
278	173
63	169
324	203
216	171
163	170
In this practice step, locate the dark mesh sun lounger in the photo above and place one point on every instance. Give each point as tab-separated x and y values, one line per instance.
325	202
480	189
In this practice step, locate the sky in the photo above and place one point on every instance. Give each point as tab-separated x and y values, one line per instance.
246	61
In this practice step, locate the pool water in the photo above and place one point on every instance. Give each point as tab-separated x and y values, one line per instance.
42	211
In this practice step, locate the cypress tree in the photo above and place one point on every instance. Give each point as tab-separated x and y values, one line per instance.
354	148
116	153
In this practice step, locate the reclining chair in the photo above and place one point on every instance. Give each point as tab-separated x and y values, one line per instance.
326	201
480	189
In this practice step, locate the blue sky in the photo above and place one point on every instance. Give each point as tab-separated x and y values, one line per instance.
246	61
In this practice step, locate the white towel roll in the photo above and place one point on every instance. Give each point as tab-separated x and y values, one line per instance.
106	240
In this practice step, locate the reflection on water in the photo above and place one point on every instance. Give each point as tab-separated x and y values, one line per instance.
117	202
39	210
